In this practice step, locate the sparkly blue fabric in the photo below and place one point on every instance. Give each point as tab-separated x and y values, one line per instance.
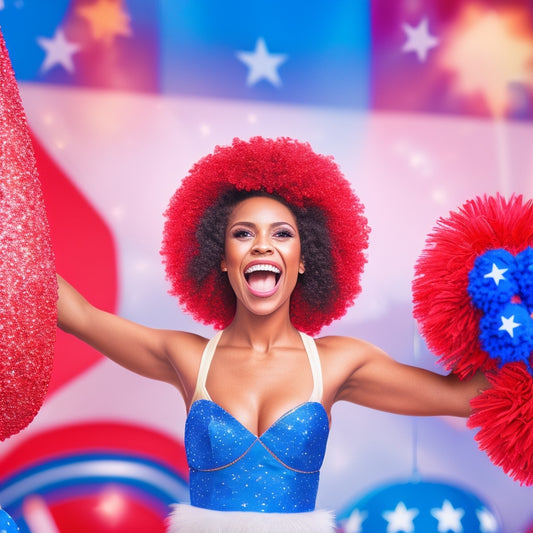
231	469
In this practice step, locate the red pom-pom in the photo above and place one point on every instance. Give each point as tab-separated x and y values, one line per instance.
28	287
447	319
450	323
504	414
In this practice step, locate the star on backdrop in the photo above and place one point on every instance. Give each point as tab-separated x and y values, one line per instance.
419	40
262	64
107	20
59	51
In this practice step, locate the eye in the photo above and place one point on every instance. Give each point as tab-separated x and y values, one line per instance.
284	233
240	233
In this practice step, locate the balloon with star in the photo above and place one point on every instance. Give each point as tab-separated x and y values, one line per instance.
7	524
419	507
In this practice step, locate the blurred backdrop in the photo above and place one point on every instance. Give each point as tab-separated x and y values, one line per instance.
423	104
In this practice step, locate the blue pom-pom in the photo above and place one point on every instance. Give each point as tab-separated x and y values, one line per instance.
507	336
501	285
524	274
492	281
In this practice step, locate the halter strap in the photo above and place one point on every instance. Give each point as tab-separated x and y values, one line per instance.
200	392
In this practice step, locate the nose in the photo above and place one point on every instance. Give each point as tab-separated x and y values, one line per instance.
262	245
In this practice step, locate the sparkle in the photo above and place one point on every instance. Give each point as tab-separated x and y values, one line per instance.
509	325
487	50
497	274
419	40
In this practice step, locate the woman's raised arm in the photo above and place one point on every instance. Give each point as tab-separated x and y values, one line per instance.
153	353
378	381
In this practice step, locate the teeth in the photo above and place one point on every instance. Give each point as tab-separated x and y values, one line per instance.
263	268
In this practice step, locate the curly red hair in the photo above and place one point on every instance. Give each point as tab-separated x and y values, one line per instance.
292	171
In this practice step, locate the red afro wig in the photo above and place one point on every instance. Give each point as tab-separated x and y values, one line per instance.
292	171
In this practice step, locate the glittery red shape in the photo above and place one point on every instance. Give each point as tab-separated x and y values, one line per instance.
292	170
28	287
447	319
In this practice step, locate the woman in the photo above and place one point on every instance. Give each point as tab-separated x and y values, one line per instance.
264	240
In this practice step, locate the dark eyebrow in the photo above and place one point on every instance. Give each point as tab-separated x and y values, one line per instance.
252	225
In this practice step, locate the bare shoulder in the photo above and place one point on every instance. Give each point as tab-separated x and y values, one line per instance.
184	352
183	345
348	349
341	357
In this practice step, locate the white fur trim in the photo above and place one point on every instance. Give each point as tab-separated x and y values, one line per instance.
188	519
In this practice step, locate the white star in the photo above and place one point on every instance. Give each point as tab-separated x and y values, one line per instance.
509	325
419	40
496	274
58	50
449	518
262	65
354	522
487	521
401	519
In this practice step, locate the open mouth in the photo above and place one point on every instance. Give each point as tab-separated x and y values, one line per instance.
262	278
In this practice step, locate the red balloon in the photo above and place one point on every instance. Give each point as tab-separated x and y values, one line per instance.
111	510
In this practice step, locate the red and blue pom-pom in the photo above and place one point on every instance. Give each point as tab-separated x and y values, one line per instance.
473	301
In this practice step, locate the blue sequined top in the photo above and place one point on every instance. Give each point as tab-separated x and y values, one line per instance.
232	469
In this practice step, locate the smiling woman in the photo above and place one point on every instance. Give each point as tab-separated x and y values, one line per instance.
334	231
319	287
262	254
264	240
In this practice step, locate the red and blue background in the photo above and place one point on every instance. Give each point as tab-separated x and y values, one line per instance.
423	104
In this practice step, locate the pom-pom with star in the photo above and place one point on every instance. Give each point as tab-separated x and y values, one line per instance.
473	301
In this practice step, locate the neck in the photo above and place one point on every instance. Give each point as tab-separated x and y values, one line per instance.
261	332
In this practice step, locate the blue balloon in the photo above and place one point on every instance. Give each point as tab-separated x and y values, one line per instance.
7	524
419	507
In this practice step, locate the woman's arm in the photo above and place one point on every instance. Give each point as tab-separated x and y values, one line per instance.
150	352
378	381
